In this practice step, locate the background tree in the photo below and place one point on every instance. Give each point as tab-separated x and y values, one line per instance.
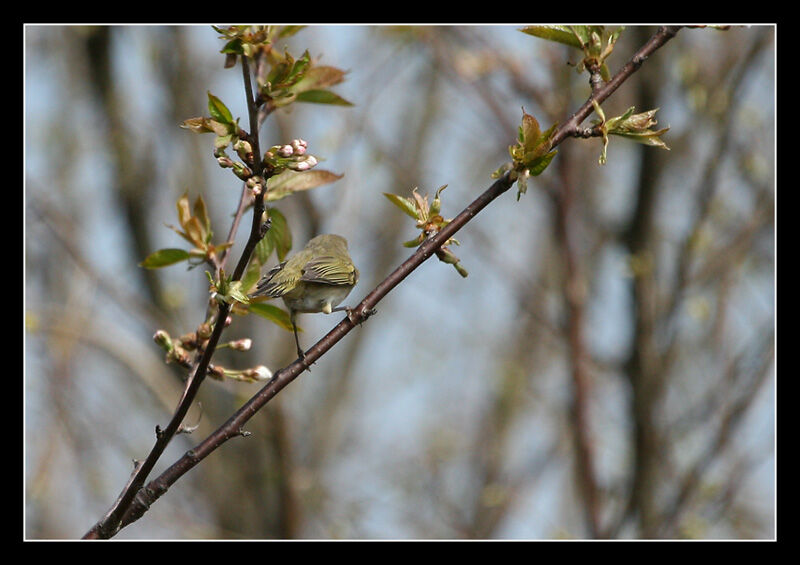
605	370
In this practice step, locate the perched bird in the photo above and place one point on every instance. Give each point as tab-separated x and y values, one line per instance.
315	279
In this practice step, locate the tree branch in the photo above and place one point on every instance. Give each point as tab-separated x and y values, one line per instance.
109	525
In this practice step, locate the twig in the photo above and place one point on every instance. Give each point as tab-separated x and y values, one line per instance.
572	126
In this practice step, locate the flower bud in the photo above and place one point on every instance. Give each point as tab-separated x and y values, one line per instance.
216	372
241	171
189	341
286	151
299	146
180	356
204	330
260	373
242	147
241	344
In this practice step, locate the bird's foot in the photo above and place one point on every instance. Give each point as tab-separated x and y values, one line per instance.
358	320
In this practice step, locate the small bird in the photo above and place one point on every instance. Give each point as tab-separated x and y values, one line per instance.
315	279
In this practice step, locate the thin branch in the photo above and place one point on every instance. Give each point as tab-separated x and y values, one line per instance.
110	524
572	126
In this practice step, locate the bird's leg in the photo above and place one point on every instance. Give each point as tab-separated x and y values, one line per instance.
300	353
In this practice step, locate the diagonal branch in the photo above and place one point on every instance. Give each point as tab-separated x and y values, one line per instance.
124	514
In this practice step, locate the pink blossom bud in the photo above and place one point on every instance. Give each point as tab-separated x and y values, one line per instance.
241	344
299	146
260	373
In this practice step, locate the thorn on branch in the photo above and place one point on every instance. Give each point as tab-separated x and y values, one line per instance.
264	227
189	429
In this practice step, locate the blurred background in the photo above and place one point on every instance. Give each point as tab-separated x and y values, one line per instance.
606	370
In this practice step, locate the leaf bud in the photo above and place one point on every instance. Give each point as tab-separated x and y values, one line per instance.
163	340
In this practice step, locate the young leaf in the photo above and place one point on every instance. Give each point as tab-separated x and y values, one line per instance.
529	133
273	314
405	204
252	273
541	163
236	293
559	33
233	46
218	110
317	78
286	182
279	233
201	213
322	97
164	258
184	214
264	249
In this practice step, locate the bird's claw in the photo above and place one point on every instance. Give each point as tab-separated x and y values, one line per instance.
358	320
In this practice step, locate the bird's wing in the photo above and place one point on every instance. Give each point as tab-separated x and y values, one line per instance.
275	283
328	270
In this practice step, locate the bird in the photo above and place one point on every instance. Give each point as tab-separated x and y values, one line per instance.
315	279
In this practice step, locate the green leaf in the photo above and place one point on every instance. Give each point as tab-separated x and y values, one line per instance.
273	314
529	132
218	110
201	213
414	242
405	204
651	138
206	125
264	249
279	233
164	258
298	68
233	46
538	167
318	78
235	291
558	33
252	274
197	125
322	97
286	182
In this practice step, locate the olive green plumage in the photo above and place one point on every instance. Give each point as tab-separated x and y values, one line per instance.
315	279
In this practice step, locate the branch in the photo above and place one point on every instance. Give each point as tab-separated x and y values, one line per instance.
572	126
132	509
110	524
